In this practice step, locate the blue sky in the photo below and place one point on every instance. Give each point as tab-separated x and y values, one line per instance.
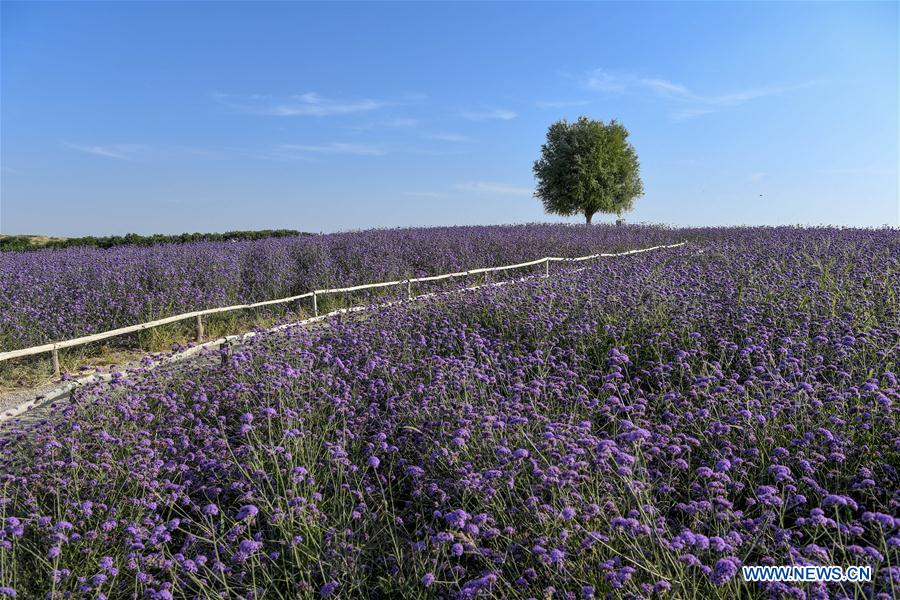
171	117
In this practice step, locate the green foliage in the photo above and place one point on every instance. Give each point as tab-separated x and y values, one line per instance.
27	242
16	242
587	167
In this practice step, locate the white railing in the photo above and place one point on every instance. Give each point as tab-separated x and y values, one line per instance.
54	347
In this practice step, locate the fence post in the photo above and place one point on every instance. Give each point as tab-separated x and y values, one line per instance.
55	356
225	353
408	289
315	305
199	328
547	267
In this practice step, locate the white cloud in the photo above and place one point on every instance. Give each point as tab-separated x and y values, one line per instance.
477	187
491	187
703	105
561	103
449	137
690	113
426	194
757	177
605	81
736	98
334	148
120	151
309	104
664	87
399	122
497	113
870	169
281	155
692	104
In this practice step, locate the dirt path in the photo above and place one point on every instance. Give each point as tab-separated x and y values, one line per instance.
22	407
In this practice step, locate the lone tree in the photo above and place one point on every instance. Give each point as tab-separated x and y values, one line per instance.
587	167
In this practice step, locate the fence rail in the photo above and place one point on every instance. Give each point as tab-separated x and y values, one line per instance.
54	347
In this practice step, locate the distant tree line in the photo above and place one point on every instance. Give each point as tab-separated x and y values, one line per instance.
27	242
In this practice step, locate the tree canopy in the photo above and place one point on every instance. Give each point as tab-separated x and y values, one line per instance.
587	167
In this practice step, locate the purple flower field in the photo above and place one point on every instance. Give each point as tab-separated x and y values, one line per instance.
55	295
640	428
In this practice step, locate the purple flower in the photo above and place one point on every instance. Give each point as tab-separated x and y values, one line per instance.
736	411
885	520
662	586
725	569
249	546
780	473
457	518
15	526
838	500
328	588
248	511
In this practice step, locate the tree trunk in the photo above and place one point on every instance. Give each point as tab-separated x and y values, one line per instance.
588	217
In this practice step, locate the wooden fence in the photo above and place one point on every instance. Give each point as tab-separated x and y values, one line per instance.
198	315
